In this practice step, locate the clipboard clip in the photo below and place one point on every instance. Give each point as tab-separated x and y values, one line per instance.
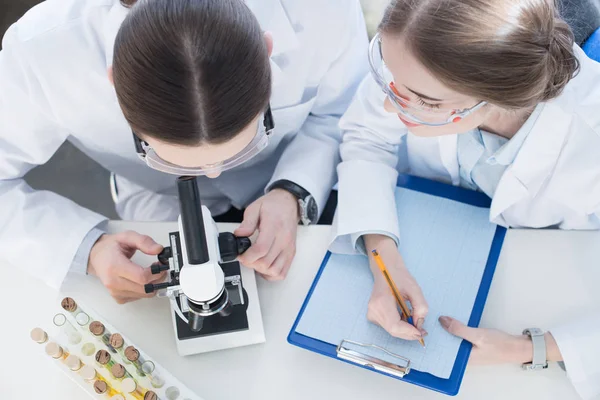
356	357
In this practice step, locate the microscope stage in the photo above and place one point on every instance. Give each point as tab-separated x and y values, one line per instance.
241	328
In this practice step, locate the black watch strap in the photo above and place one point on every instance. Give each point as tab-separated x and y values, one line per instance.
308	207
298	191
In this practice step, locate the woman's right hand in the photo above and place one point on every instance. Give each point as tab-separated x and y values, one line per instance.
110	261
383	309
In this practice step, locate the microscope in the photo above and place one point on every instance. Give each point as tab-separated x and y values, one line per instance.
214	301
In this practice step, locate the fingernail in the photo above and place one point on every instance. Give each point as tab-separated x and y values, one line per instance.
445	321
420	323
424	333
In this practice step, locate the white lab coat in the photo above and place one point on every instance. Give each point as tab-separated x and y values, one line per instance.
553	182
54	87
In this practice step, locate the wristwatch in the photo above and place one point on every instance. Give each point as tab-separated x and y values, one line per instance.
309	211
539	350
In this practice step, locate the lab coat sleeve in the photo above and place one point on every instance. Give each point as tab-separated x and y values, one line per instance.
136	203
368	171
311	158
39	230
579	344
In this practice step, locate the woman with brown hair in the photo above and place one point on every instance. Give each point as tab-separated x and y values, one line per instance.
492	96
246	95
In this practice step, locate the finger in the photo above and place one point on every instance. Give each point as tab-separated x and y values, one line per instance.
418	304
262	247
124	299
125	285
459	329
144	243
133	272
159	278
403	330
280	267
267	263
250	223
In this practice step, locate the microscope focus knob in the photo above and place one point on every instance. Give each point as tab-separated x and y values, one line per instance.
231	246
157	268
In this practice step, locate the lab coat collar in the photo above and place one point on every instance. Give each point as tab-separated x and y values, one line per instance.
116	15
273	18
508	152
535	161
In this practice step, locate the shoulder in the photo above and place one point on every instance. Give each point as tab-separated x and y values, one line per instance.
330	16
581	97
54	15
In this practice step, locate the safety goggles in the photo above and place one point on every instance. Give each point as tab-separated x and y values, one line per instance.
258	144
417	112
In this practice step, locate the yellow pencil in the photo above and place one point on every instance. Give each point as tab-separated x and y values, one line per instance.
395	291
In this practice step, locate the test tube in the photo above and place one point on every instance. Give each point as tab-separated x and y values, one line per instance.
172	393
55	351
73	336
132	354
149	369
119	371
73	362
88	349
130	386
99	331
38	335
118	343
150	395
102	387
69	305
103	359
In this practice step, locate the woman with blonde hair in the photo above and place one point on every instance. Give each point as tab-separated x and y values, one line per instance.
492	96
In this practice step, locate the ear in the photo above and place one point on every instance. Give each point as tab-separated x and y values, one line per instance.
110	75
269	42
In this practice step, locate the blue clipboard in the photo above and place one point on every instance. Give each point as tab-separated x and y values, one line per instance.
451	385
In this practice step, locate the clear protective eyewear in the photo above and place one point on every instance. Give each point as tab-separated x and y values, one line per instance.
258	144
418	113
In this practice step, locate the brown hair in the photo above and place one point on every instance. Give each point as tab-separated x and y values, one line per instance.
191	72
511	53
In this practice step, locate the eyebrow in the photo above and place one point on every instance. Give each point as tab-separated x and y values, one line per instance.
422	95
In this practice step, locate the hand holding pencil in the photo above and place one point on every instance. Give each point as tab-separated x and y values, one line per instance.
391	289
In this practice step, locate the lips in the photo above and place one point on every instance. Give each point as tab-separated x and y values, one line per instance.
408	123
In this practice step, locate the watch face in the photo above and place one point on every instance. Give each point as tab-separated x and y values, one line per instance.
312	210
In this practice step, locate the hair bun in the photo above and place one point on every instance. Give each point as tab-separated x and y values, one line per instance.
562	63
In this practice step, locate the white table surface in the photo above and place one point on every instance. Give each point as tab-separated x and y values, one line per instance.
541	277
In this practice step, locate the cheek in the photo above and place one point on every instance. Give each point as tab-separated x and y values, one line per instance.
471	122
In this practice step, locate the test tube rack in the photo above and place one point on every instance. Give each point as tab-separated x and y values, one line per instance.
167	387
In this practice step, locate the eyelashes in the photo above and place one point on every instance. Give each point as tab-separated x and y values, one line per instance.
422	103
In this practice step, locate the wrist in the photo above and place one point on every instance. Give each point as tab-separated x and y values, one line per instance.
381	243
289	199
522	351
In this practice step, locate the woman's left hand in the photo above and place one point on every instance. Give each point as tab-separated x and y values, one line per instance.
275	216
491	346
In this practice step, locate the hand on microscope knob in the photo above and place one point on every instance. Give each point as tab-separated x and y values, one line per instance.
110	261
275	216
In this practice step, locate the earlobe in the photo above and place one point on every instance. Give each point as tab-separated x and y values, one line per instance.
269	42
110	75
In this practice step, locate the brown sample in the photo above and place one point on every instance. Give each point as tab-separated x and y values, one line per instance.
132	353
102	357
116	340
100	387
118	371
150	395
68	304
97	328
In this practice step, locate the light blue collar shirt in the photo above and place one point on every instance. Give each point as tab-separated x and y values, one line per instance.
483	156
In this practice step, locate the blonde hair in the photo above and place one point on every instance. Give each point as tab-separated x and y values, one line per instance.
510	53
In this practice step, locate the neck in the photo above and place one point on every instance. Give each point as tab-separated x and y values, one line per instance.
505	123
